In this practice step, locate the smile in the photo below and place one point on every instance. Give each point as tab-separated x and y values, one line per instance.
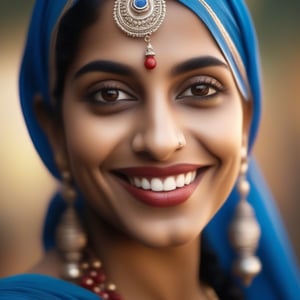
169	183
161	187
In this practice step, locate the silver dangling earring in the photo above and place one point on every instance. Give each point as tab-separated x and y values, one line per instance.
245	231
70	237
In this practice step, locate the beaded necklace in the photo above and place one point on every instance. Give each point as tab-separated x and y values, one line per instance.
94	279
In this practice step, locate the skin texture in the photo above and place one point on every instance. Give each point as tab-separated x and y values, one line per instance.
156	109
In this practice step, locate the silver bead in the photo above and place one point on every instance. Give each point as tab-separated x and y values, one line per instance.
244	167
68	192
71	271
247	268
244	231
243	187
70	235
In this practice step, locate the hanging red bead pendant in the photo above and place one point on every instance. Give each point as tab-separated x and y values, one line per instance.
150	62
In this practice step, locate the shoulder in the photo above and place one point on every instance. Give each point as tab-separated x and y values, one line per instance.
41	287
42	282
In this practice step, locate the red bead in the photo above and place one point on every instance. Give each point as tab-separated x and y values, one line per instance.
92	273
100	277
87	282
104	295
113	295
150	62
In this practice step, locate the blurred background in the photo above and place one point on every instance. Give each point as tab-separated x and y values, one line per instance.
25	185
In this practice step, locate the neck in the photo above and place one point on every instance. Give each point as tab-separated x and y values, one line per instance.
141	272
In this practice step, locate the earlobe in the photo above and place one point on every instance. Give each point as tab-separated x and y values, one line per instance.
53	129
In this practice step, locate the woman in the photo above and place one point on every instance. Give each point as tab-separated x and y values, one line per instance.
147	112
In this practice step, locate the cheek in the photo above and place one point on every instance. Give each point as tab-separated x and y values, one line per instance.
91	138
219	132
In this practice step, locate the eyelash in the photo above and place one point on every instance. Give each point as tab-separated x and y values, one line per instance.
109	88
207	83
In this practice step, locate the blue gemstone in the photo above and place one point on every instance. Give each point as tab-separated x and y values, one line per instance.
140	4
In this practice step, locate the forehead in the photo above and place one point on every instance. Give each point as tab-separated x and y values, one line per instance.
181	36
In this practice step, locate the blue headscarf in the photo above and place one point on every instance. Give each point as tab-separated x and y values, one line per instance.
231	26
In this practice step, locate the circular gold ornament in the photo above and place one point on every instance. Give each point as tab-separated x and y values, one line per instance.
139	18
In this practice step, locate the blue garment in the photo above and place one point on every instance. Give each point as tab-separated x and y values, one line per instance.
231	26
41	287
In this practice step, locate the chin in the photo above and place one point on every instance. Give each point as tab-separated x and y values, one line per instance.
175	236
170	242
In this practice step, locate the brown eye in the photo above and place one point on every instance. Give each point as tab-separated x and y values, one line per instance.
200	90
109	95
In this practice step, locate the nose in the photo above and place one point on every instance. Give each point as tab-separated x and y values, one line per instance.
159	134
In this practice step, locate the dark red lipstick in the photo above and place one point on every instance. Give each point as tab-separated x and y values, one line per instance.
160	198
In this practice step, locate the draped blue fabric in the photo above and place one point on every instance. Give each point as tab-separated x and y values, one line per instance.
35	74
280	276
40	287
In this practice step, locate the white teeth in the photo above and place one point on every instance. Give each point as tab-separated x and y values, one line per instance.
194	174
145	184
170	183
180	180
137	182
188	178
157	185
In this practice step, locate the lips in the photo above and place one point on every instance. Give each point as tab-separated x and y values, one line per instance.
161	187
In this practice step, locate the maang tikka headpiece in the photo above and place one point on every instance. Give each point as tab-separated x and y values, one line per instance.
140	18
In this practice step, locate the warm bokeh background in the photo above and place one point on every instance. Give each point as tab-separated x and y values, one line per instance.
25	185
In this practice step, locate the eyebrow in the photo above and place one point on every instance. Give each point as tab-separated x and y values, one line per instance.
105	66
198	63
108	66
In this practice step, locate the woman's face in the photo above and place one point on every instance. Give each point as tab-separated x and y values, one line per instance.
123	123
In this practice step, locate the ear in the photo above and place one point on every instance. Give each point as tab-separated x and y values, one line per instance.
52	125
